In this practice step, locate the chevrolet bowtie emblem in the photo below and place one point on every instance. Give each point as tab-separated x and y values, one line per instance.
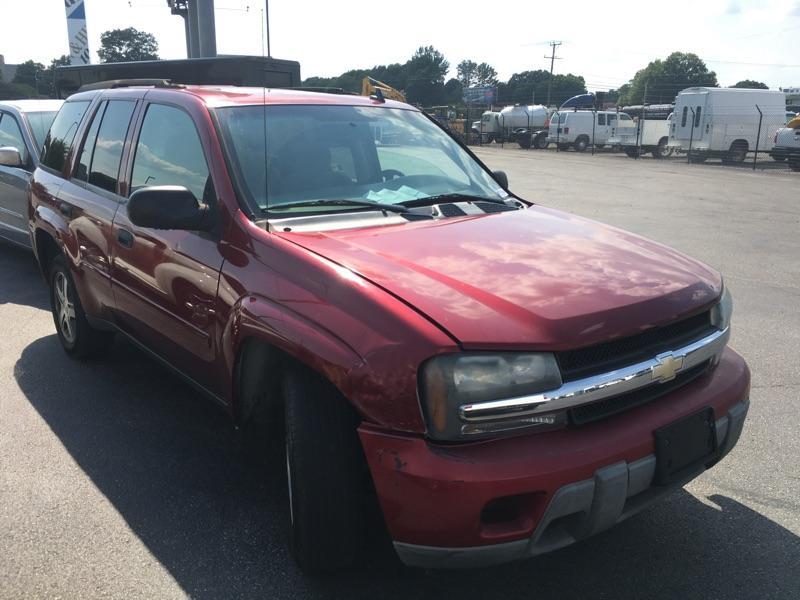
667	367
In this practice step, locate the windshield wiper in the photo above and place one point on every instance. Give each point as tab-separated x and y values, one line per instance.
396	208
430	200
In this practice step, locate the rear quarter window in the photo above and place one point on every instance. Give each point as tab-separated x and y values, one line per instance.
62	132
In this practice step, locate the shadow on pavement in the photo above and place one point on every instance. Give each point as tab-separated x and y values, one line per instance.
20	281
214	516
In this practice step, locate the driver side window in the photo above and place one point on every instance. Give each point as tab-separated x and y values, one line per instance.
10	135
169	152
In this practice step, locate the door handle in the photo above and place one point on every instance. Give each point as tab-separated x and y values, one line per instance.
125	238
65	208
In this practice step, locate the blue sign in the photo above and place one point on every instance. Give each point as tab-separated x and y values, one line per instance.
480	95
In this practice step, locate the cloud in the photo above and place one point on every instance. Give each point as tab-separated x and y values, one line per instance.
795	12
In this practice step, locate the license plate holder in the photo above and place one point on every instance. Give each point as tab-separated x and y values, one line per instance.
685	445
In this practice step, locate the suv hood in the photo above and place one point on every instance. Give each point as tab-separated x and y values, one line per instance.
534	278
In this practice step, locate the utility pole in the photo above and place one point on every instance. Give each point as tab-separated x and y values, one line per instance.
552	58
269	51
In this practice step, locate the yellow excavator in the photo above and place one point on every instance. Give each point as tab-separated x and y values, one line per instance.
369	86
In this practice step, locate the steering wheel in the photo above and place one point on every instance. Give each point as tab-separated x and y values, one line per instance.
390	174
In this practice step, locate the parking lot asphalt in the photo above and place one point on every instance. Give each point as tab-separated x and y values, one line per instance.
117	481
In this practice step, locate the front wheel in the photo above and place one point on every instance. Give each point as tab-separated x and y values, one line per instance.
736	154
540	141
524	141
662	150
78	338
327	477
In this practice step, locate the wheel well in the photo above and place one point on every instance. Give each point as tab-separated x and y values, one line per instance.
583	136
664	139
739	144
257	384
46	250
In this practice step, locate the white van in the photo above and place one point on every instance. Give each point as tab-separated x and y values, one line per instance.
723	122
577	128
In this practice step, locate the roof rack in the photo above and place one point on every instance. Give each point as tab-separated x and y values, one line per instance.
111	84
323	90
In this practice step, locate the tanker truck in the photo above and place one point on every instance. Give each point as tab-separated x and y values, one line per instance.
527	125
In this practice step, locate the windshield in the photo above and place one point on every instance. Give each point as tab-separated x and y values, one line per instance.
40	122
558	118
374	154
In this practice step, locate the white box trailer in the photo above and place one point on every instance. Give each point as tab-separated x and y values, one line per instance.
724	122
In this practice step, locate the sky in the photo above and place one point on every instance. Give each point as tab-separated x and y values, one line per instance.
605	42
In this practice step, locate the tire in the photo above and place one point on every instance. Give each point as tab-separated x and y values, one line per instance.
662	150
540	141
524	141
327	478
77	337
581	144
736	154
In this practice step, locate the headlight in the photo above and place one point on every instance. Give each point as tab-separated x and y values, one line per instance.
721	313
450	382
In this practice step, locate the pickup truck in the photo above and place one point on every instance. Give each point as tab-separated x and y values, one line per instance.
500	378
787	145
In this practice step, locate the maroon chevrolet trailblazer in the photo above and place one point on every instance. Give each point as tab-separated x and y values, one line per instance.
503	378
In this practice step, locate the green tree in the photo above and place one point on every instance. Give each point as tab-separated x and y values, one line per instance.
751	84
124	45
50	73
453	92
485	74
466	73
665	78
32	74
425	74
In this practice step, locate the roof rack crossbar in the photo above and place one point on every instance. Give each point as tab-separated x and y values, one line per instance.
111	84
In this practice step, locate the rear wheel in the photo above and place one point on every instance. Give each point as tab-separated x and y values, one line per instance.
540	141
77	337
736	154
662	150
581	144
524	141
326	473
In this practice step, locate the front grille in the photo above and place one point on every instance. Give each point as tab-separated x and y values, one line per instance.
580	415
608	356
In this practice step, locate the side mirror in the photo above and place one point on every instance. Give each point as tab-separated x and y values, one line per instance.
501	178
168	207
10	157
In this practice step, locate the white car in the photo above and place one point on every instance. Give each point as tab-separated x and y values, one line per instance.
787	147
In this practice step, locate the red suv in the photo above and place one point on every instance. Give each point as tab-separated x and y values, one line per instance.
504	378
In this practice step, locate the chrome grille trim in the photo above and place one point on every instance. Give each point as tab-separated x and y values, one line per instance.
598	387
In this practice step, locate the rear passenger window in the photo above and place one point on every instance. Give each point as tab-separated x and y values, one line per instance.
683	116
169	152
85	161
107	153
601	119
697	117
62	132
10	135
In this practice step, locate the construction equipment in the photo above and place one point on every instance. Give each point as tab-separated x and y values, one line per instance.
370	86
